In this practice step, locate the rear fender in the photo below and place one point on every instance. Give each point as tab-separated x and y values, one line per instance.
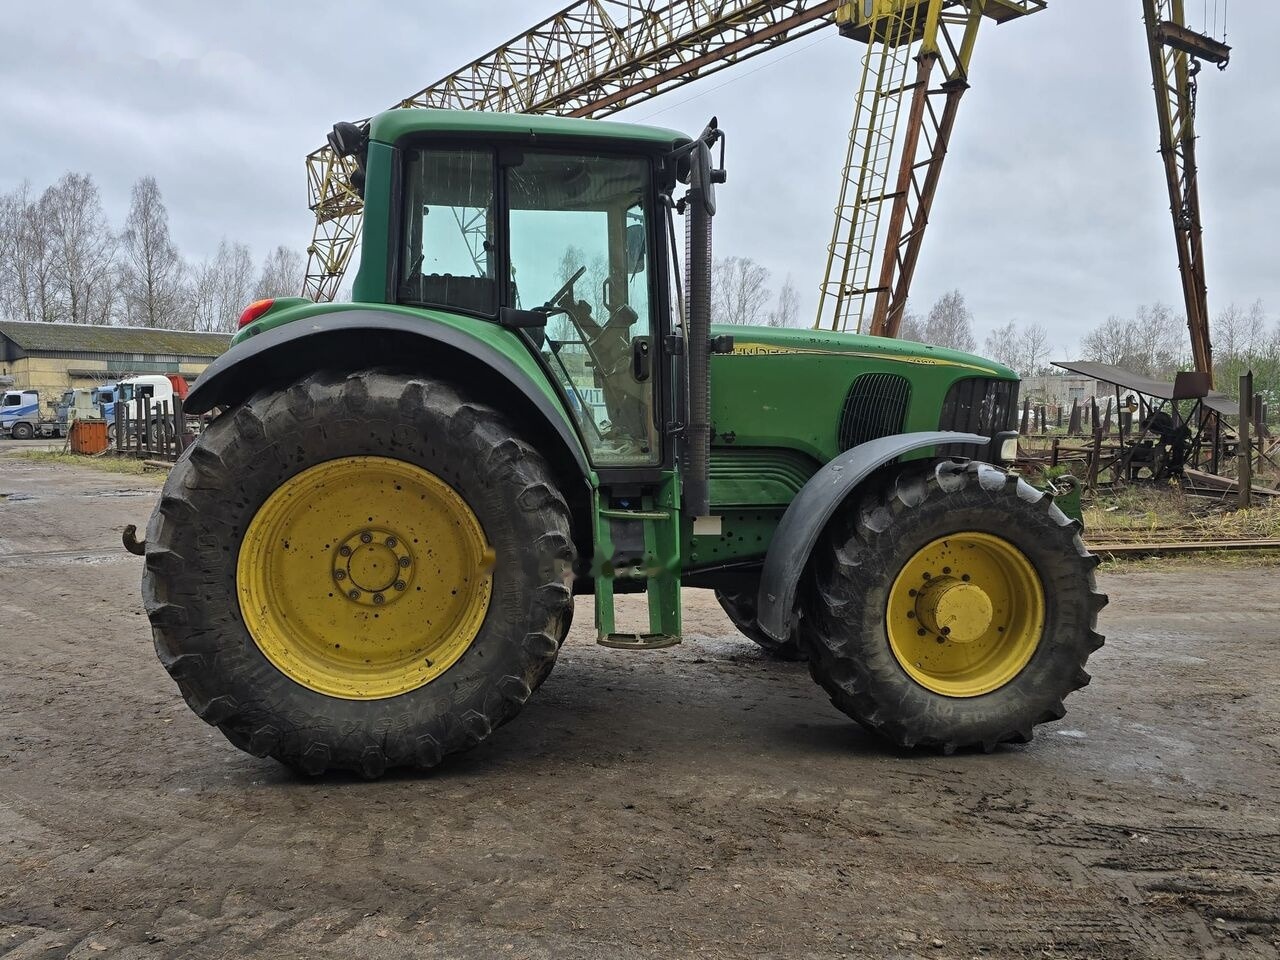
359	338
814	506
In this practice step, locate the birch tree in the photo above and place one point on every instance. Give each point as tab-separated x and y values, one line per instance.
282	273
151	270
739	291
83	250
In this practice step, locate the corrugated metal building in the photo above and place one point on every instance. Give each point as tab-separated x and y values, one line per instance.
53	357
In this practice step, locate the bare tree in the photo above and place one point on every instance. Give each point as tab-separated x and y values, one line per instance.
84	250
787	307
911	327
26	258
220	288
1153	342
151	270
1023	349
1001	345
950	324
1033	343
282	273
1237	332
739	291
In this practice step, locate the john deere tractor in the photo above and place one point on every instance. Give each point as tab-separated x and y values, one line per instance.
370	558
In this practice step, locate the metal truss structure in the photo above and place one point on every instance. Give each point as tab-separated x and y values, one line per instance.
938	36
593	58
596	57
1176	55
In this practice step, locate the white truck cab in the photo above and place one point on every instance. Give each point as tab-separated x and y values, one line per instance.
155	389
20	416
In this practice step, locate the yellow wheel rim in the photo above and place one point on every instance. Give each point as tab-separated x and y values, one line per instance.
965	614
364	577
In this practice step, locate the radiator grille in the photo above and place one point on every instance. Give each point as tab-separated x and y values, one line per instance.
876	406
979	405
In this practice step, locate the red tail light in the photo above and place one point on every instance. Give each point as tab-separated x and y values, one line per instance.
254	310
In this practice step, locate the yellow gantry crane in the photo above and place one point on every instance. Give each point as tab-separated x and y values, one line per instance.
596	57
938	36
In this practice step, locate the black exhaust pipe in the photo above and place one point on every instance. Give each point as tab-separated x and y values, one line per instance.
697	255
700	208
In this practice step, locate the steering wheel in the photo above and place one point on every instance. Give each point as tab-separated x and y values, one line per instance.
567	288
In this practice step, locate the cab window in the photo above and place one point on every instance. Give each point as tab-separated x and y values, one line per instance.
448	256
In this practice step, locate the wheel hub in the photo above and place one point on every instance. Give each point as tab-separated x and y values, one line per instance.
373	567
954	609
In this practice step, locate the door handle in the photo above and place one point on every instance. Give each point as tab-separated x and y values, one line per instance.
641	364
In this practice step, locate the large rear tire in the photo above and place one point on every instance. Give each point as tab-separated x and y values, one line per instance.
740	606
955	608
359	572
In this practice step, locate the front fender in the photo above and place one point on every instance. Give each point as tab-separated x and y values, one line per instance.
361	337
814	505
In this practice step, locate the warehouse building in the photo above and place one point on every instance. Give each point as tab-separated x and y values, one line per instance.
53	357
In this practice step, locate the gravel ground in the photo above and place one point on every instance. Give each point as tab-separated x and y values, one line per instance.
696	802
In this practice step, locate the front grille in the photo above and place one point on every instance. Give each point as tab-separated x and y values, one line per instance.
875	406
979	405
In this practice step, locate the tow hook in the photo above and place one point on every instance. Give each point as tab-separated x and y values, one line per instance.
131	541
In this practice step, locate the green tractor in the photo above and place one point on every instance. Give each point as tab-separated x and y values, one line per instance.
369	559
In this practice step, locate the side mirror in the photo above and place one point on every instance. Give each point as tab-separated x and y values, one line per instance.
637	243
703	176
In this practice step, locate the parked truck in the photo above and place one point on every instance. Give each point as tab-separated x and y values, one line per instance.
153	389
21	417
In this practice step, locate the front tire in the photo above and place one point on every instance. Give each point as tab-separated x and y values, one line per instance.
22	431
955	608
359	572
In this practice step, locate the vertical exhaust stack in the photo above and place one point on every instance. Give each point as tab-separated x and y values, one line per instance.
697	273
701	207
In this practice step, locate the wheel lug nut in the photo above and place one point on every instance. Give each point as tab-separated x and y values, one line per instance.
344	551
391	542
400	584
354	594
404	561
366	537
378	598
339	574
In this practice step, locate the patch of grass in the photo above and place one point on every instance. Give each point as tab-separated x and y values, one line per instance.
108	464
1143	512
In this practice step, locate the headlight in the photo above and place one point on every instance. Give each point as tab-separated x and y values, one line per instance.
1009	449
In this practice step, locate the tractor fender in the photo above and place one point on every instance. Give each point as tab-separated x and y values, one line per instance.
814	505
361	337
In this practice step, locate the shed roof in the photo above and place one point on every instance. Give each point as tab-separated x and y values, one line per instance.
80	338
1160	389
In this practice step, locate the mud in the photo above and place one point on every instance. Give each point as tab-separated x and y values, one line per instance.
697	802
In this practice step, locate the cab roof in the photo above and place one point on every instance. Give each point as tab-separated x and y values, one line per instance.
391	125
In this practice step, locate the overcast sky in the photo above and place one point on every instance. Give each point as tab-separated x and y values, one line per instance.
1052	206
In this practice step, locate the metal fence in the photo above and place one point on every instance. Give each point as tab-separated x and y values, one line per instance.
152	430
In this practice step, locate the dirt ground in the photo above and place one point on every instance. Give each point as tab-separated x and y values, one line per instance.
697	802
